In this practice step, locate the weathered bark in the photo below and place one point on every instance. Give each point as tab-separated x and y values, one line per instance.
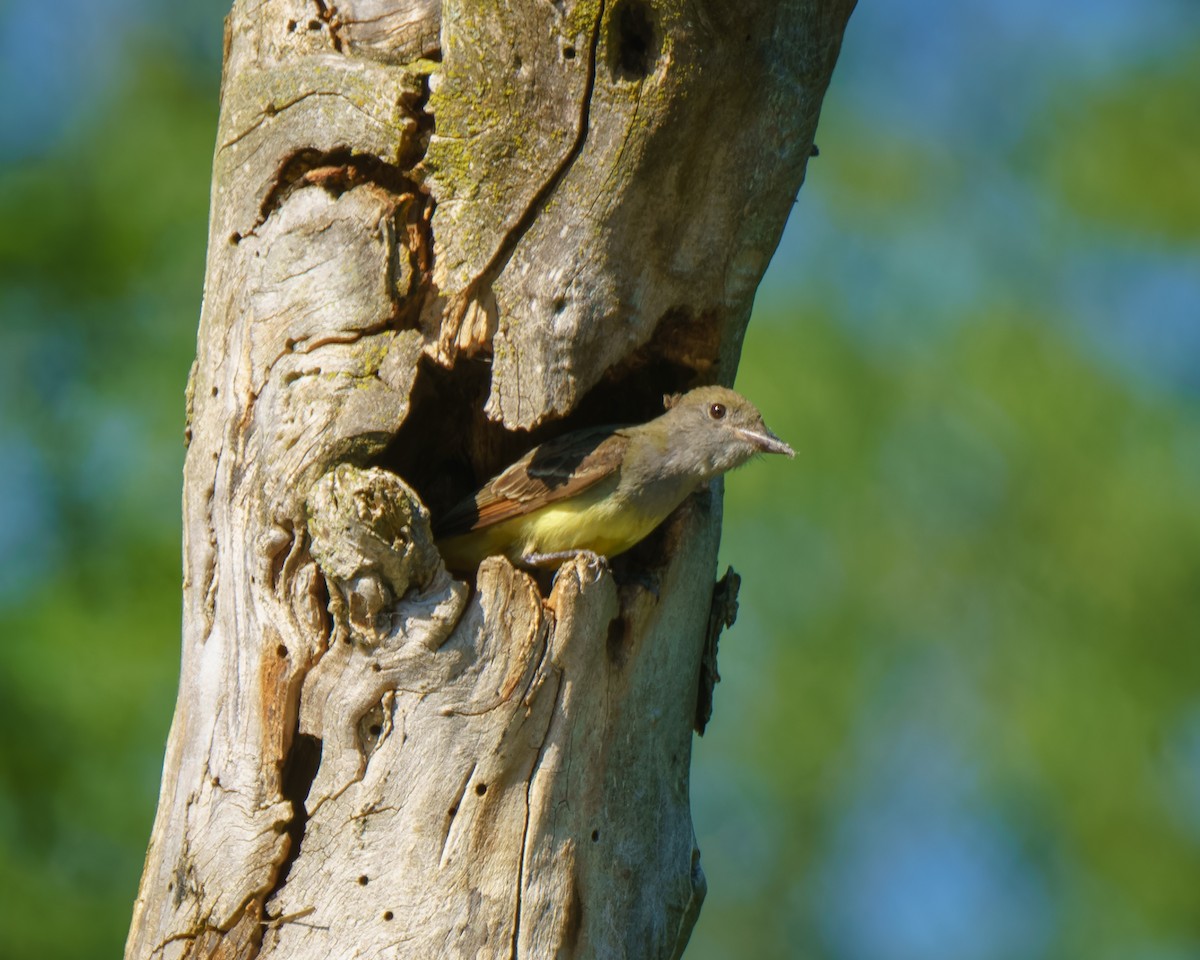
422	211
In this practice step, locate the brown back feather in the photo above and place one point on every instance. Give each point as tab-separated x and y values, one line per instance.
552	471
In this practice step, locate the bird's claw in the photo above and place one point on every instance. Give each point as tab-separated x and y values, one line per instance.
596	564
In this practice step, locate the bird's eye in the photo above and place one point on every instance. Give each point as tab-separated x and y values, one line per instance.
717	411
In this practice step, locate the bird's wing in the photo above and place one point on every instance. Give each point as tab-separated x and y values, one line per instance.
552	471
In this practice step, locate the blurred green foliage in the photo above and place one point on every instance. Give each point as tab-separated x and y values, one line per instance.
1123	153
959	715
101	262
1013	525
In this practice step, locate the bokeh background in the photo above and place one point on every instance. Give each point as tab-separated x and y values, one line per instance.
960	715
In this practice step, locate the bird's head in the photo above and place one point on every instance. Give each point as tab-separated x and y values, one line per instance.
719	429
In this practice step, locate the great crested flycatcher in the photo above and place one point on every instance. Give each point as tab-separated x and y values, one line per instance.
601	490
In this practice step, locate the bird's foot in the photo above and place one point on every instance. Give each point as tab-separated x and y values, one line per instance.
596	564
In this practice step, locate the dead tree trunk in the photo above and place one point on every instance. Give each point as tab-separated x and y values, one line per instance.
439	232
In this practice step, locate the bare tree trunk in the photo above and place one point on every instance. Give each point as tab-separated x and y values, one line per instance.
435	227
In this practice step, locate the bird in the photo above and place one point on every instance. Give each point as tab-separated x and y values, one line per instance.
597	492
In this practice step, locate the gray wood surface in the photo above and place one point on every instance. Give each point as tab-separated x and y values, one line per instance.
369	758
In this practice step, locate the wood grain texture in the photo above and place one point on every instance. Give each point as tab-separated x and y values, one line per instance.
667	176
368	757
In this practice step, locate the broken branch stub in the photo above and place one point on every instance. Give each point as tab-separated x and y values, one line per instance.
368	755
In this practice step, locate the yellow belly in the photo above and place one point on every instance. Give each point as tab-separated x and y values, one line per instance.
591	521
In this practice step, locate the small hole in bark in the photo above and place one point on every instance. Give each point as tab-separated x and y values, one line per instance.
387	914
281	650
480	789
633	40
291	26
454	811
314	24
595	836
363	880
568	52
618	640
215	391
376	667
560	304
517	63
376	729
235	238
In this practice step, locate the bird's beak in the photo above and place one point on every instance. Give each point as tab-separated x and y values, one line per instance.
766	441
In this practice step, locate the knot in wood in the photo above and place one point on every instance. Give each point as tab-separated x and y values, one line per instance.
371	538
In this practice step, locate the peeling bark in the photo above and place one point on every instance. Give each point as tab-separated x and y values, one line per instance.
439	233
